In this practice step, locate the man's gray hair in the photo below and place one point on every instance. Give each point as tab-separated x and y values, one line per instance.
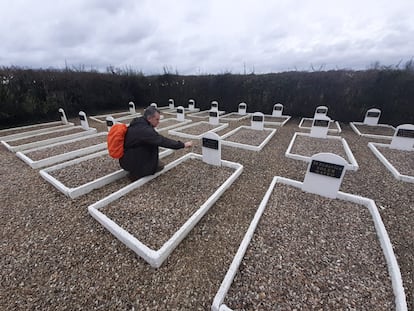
150	111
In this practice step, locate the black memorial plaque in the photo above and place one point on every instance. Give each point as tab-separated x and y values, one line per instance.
321	110
373	114
61	114
213	114
210	143
278	108
109	123
180	111
327	169
131	106
214	105
81	117
242	106
405	133
257	118
321	123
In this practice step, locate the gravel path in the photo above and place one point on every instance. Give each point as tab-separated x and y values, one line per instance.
55	256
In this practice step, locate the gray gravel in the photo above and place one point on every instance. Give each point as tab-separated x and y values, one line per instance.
55	256
374	130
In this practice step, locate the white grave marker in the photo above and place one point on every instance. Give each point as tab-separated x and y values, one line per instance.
191	104
242	108
277	110
214	105
63	116
324	174
171	103
320	111
403	138
154	105
320	127
211	148
180	114
83	120
131	106
109	122
372	116
213	117
257	121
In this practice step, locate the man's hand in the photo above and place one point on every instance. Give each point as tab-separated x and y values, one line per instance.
188	144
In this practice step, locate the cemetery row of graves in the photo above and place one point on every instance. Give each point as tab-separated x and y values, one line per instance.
74	159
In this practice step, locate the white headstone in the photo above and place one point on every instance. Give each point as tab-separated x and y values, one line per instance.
63	116
372	116
277	110
257	121
320	127
242	108
214	105
180	114
83	120
131	106
154	105
320	111
324	174
171	103
211	148
213	117
191	104
109	122
403	138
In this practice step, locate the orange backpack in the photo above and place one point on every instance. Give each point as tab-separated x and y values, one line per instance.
115	140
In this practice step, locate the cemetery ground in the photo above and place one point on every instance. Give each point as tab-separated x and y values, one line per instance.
55	256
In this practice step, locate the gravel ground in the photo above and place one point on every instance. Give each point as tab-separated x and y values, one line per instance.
249	136
10	131
27	140
200	128
55	256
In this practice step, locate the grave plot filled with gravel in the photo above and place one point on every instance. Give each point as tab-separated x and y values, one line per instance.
198	128
312	252
44	153
11	131
167	123
201	114
249	136
45	136
308	146
154	211
374	130
274	119
233	115
402	160
308	123
86	171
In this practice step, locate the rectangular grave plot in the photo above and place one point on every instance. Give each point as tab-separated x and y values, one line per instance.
308	146
197	128
402	160
86	171
157	209
379	130
66	147
234	116
308	250
247	136
29	130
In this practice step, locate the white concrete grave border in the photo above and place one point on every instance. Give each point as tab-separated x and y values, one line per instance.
31	130
88	187
337	130
241	114
371	118
23	155
255	125
84	125
177	130
393	267
351	166
118	116
156	257
387	164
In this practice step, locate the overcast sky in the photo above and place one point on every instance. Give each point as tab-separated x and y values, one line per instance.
206	36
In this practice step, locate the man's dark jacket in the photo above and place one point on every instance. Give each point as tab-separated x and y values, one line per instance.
141	148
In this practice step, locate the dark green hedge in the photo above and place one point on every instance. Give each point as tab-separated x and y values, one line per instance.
29	96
